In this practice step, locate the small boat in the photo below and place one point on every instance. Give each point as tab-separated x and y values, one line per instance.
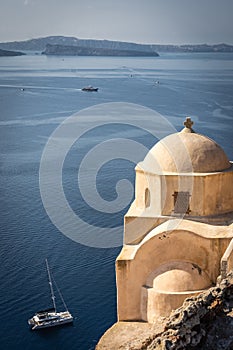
89	88
51	317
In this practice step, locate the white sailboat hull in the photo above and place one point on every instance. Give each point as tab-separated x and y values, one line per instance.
52	319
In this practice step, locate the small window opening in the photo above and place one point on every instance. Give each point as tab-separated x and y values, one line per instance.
147	198
181	202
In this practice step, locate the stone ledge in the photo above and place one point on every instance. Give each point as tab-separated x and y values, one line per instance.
129	335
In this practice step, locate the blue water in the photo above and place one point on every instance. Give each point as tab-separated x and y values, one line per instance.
36	94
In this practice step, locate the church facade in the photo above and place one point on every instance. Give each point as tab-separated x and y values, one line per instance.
178	231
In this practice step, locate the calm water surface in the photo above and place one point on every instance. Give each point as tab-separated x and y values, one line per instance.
36	94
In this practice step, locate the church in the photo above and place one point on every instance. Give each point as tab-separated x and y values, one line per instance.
178	231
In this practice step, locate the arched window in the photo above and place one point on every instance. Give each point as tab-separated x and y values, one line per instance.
147	197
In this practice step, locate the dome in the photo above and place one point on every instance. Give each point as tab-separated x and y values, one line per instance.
186	151
181	278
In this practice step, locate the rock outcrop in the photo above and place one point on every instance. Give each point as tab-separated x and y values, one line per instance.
188	327
203	322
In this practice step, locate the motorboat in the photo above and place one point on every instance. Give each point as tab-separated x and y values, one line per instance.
89	88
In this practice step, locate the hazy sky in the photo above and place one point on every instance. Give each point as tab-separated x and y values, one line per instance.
145	21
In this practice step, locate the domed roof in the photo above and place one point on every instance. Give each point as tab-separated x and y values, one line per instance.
186	151
183	276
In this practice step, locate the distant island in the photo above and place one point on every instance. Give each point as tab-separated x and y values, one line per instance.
6	53
83	46
61	45
194	48
92	51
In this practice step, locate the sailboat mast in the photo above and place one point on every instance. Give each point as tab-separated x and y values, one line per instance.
51	286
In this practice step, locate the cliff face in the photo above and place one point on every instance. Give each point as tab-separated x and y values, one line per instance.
204	322
92	51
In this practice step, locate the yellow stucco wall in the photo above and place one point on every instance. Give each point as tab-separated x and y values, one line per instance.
200	244
210	193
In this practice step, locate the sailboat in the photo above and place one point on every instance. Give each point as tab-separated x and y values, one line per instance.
50	317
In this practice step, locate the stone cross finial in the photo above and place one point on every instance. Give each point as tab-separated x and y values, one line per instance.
188	123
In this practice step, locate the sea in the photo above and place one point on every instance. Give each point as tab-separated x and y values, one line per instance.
67	173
